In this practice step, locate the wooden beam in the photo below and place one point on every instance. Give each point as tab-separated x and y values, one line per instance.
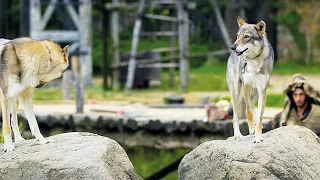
149	61
223	29
58	36
160	17
48	13
159	33
132	61
74	16
156	50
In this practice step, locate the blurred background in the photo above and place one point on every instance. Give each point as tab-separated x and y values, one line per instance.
129	55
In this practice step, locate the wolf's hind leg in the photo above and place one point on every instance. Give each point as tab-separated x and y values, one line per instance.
6	129
249	109
261	106
14	121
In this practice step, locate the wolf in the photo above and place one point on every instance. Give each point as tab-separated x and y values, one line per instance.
26	64
248	73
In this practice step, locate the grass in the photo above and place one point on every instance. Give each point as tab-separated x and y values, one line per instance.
207	78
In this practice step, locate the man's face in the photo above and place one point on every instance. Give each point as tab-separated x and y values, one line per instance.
299	97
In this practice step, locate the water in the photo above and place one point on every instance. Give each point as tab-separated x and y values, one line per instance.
147	160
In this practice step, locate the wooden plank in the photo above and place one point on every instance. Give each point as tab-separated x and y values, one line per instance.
156	50
149	61
159	33
160	17
55	35
76	68
132	61
134	6
73	14
116	52
158	65
48	13
223	29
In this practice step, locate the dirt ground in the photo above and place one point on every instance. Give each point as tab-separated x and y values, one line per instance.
139	103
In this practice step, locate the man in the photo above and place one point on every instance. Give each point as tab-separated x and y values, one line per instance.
301	106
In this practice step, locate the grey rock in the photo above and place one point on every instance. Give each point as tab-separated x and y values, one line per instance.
73	156
286	153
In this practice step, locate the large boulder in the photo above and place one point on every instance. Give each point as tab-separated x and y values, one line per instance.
73	156
285	153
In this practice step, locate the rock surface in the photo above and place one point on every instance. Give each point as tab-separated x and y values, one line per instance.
285	153
73	156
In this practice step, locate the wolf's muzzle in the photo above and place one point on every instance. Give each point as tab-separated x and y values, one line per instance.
233	47
41	84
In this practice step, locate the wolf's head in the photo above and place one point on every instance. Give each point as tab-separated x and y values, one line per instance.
250	38
59	62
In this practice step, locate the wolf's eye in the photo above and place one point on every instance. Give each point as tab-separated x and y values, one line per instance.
246	36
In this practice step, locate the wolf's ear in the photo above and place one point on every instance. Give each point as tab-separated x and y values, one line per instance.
66	49
261	28
240	21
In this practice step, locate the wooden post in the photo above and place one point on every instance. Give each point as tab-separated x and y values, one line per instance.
67	80
85	42
172	42
183	61
116	52
186	41
35	8
223	29
105	35
132	61
76	68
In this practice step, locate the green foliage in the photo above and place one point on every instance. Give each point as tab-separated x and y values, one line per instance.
292	20
275	100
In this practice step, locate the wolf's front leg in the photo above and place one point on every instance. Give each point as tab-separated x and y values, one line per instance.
261	105
26	99
6	129
249	108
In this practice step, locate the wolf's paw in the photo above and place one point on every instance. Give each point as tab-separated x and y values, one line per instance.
19	139
46	141
237	136
8	147
257	139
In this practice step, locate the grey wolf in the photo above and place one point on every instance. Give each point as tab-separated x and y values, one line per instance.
26	64
248	72
302	105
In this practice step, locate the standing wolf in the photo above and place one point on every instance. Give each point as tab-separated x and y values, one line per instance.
248	72
26	64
